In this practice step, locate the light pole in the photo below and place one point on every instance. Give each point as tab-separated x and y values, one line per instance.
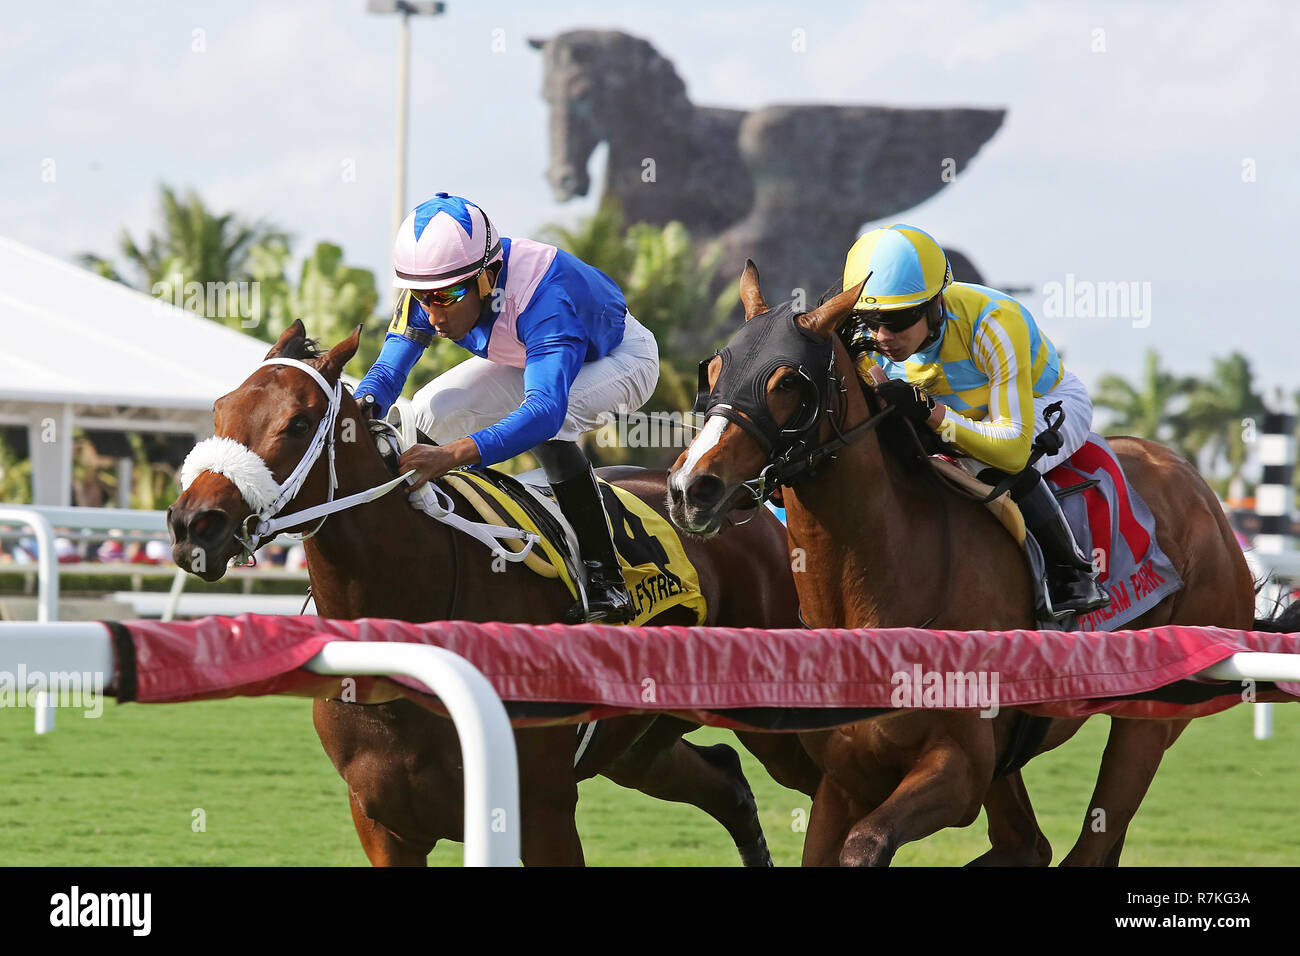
406	9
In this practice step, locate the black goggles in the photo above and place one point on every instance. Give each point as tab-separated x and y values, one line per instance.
875	320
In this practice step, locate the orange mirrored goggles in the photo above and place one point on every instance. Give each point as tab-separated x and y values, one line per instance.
443	297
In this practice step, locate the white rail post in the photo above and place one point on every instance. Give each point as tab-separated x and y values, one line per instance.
487	744
47	592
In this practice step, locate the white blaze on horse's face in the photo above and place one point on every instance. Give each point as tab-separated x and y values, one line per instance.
704	442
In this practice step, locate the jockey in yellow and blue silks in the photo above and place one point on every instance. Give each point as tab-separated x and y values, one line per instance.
554	351
972	364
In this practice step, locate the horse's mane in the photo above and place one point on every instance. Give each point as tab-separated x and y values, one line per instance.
898	439
906	445
303	349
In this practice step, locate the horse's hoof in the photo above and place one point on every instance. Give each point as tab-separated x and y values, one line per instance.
1037	856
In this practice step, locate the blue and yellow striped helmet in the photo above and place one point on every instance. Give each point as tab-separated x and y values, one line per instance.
906	267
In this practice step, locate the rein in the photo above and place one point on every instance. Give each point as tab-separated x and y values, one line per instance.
266	497
792	452
250	474
794	456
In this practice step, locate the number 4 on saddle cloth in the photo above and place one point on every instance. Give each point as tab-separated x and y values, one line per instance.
1111	524
659	576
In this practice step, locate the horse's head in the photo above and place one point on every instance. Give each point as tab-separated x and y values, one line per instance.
767	398
264	429
597	82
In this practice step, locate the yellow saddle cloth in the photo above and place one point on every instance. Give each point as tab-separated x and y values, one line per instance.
659	576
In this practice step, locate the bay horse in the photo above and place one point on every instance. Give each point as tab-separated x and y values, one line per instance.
385	559
886	545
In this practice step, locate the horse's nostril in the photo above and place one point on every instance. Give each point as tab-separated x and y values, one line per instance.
207	526
705	491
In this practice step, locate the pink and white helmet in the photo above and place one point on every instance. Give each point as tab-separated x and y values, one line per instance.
444	241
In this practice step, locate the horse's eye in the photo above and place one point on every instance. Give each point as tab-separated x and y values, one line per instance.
789	383
299	425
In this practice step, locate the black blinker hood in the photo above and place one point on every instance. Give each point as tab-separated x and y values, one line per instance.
764	344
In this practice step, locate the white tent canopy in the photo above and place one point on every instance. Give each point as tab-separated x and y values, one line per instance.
78	350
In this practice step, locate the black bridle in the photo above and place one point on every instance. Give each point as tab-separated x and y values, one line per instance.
766	343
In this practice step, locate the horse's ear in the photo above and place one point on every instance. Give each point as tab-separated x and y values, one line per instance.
295	331
830	315
751	296
537	43
339	356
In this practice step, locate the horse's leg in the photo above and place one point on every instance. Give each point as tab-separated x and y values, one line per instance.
1013	829
382	846
942	789
1112	858
662	765
550	836
548	797
785	760
829	823
1128	765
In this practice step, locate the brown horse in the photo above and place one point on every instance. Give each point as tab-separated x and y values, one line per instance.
886	545
384	559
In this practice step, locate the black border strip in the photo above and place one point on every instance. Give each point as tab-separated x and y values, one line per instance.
124	680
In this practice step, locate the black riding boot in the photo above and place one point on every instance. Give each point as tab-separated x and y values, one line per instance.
570	476
1071	580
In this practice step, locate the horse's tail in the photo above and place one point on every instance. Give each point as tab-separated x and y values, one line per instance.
1283	620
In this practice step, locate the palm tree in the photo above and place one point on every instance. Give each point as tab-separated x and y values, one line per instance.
599	240
1217	413
194	245
15	474
1144	410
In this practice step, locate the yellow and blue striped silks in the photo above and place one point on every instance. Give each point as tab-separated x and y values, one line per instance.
989	364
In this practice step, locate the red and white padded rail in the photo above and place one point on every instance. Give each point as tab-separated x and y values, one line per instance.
702	670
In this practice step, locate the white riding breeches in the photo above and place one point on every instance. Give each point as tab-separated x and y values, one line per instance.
1076	404
478	393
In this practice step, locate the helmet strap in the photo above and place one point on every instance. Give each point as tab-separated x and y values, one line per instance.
484	283
935	329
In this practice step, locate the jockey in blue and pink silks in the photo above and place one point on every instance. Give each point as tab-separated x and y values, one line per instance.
555	349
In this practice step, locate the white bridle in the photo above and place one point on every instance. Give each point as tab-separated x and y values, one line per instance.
265	496
250	474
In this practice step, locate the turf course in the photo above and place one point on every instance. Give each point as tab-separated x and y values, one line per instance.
123	790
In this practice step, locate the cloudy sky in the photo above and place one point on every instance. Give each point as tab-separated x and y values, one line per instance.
1147	142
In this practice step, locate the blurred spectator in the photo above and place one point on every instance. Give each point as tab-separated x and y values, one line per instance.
66	551
26	551
110	552
276	555
297	558
157	552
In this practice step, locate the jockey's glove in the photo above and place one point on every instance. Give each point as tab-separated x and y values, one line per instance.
369	407
913	403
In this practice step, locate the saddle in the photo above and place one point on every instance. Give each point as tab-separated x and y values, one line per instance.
1108	519
521	521
654	563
